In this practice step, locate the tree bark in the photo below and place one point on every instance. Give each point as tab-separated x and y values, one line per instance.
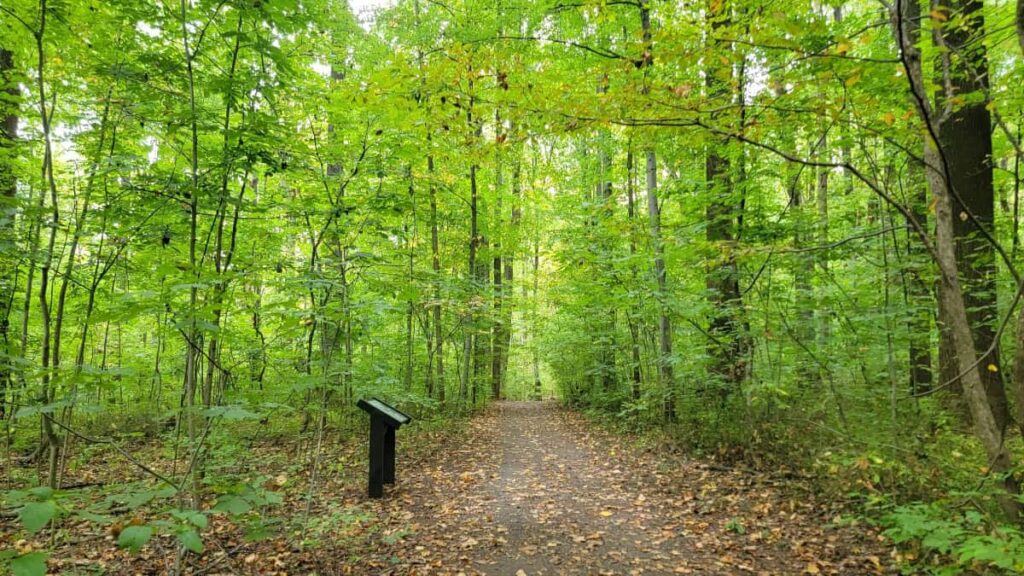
966	137
8	192
725	343
497	330
1020	24
953	303
665	369
435	264
634	314
918	295
512	248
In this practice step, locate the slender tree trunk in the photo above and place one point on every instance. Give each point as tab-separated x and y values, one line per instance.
193	344
8	192
665	359
512	248
471	272
822	307
76	236
476	275
803	266
1020	24
497	330
46	392
634	316
603	197
536	318
222	260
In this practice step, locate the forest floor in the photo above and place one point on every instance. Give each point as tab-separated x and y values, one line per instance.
521	489
538	490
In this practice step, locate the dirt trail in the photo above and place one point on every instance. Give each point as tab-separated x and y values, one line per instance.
535	490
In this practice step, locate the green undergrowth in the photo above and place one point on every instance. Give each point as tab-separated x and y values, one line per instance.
258	464
920	487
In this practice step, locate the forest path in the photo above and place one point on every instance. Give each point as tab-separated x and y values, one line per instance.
534	489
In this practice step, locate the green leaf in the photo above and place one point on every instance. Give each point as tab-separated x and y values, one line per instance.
134	537
191	541
31	564
41	492
197	519
230	413
232	505
35	515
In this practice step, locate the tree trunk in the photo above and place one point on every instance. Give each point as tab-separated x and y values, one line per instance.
953	303
966	138
435	263
725	343
536	318
497	330
470	329
511	250
1020	24
634	314
470	337
410	310
47	177
8	191
918	295
665	369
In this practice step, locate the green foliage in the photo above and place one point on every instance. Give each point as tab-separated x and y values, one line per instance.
248	222
939	540
30	564
134	537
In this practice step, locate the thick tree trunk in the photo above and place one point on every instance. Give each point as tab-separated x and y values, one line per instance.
725	346
966	138
987	426
953	303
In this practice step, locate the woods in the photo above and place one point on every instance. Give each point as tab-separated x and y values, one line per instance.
781	237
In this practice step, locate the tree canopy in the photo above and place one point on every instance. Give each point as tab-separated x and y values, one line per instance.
784	233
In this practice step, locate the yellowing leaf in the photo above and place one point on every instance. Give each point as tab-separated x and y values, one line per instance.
993	368
606	513
889	118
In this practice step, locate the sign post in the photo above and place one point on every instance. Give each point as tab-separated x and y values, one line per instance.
384	420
